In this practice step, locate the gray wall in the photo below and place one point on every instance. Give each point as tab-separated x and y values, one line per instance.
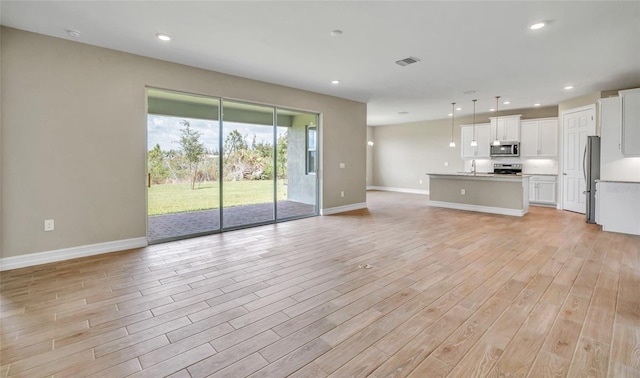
370	156
74	138
403	154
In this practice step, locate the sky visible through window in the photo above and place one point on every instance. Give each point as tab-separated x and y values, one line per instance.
165	131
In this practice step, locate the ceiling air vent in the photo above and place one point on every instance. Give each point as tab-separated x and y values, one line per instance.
407	61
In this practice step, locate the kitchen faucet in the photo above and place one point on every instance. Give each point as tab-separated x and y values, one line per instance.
473	166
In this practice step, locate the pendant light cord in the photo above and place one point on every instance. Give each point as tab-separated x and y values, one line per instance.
453	116
497	98
474	119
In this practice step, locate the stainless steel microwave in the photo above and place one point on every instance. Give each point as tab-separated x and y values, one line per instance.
506	149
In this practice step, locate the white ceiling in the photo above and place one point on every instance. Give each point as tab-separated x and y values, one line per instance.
476	45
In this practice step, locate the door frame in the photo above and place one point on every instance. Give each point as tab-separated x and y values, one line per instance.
560	191
318	182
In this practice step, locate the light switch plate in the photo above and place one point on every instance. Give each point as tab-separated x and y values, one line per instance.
49	225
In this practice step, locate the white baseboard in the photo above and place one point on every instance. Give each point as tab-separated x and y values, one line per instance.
342	209
401	190
31	259
544	204
482	209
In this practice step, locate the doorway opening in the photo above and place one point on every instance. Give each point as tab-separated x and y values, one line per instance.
577	125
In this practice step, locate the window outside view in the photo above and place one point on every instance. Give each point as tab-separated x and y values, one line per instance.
202	179
183	162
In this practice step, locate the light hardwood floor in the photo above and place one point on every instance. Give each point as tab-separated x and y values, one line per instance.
450	293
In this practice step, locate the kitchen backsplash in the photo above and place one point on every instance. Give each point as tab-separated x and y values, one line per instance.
540	166
529	166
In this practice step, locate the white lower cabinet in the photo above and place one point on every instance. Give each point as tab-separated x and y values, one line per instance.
618	206
542	190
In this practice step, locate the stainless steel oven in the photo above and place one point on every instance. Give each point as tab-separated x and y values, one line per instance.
507	169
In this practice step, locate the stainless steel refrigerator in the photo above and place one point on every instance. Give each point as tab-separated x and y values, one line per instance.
591	169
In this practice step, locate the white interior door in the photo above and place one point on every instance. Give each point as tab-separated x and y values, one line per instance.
576	125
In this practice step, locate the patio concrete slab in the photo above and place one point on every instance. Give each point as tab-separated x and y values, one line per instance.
179	225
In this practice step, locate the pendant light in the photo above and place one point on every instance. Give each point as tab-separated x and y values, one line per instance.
473	142
496	142
453	116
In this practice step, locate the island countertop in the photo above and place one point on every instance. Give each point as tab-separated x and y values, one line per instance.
481	176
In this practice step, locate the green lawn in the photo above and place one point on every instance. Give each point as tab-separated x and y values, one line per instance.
179	198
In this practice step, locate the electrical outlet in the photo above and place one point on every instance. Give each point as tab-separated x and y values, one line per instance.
342	193
463	192
49	225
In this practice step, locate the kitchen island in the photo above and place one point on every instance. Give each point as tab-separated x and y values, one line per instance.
488	193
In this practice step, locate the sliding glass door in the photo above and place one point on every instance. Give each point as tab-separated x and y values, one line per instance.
248	164
183	160
216	164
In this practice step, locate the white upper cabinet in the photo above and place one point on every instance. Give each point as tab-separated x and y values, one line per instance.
539	138
481	151
548	137
508	128
468	152
484	140
630	140
529	144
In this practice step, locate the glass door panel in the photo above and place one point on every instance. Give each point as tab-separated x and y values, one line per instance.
296	164
183	162
247	164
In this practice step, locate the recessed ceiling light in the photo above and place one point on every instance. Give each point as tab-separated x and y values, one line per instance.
537	25
450	114
335	82
568	87
73	33
403	112
536	105
458	109
507	102
163	37
492	110
336	32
